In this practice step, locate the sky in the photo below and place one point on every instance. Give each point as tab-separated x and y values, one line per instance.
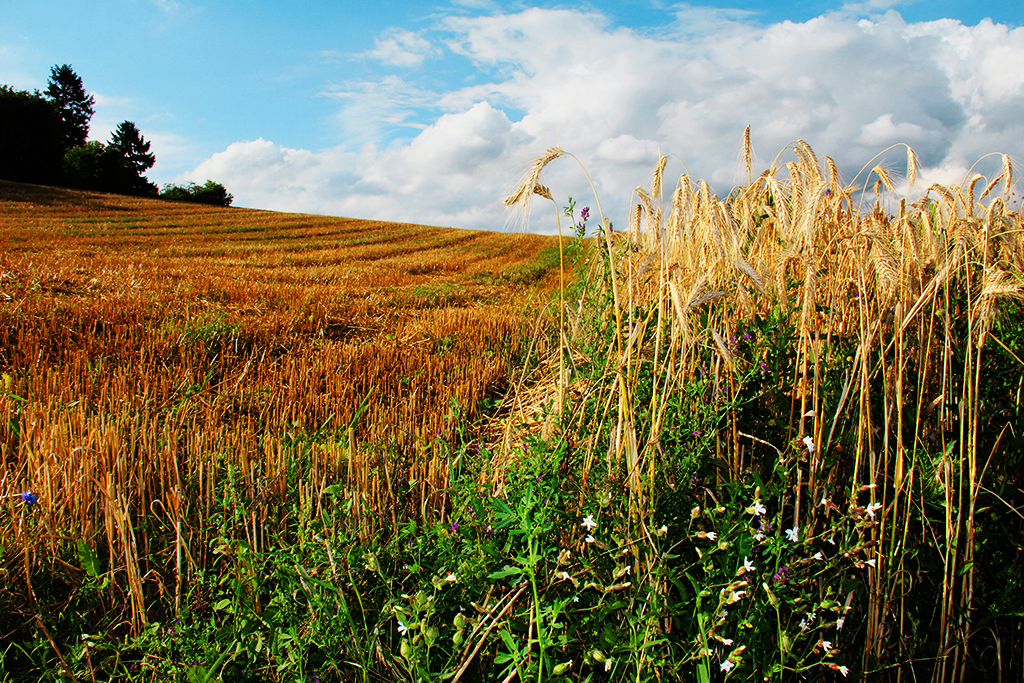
430	113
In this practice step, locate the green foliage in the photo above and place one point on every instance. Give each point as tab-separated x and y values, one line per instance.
31	130
207	193
95	166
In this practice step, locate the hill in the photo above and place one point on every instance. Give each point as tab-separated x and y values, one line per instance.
150	347
301	316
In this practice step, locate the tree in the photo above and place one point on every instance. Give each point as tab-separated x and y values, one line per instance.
76	108
134	148
134	151
95	166
31	131
208	193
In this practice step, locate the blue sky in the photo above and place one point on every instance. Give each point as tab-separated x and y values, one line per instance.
429	112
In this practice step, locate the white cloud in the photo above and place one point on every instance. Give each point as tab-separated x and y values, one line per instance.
626	149
848	85
402	48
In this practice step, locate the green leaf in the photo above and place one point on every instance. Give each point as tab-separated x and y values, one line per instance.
89	559
505	571
510	642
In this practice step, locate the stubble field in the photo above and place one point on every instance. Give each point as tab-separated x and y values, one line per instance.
149	347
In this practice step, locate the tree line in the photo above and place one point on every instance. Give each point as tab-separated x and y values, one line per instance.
44	140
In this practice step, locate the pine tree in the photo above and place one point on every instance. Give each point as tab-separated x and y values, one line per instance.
76	107
134	148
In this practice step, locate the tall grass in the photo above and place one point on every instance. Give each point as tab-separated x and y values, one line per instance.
891	343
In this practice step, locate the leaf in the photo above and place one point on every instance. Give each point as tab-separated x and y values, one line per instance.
505	571
89	559
510	643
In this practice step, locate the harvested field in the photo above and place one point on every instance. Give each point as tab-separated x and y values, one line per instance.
149	348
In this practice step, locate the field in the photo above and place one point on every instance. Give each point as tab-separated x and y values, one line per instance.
149	346
775	436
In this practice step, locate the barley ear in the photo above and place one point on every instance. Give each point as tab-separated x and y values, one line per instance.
911	167
748	156
656	178
970	193
991	185
833	174
528	186
883	175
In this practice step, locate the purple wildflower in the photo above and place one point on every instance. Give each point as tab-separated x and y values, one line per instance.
781	576
29	498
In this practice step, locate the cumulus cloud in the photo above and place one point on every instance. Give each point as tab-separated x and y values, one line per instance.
617	97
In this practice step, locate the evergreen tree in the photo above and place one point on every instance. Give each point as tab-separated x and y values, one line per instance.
134	148
76	107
